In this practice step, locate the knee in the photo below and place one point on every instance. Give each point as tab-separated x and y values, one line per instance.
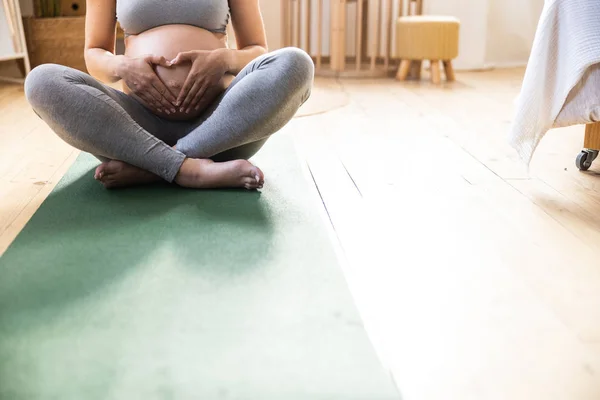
297	66
41	83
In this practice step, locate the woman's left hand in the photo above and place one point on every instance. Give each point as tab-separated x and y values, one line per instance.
208	68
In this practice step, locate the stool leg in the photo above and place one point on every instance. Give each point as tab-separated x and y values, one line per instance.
435	72
415	69
449	71
403	70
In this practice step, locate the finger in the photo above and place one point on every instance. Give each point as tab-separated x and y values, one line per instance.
191	96
142	93
207	97
159	99
152	92
181	57
159	60
198	98
164	90
183	93
147	93
149	100
163	94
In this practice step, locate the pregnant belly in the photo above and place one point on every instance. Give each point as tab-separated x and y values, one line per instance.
168	41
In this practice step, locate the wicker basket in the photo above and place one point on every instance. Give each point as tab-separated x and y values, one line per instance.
57	40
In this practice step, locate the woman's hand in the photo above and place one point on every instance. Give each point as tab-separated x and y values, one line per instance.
203	80
139	75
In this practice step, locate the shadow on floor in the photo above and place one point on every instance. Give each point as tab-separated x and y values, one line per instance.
84	238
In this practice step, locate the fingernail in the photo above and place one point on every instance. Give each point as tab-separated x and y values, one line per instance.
256	177
181	109
167	111
187	111
173	110
160	110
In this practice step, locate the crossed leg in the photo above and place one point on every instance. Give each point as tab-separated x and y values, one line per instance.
141	147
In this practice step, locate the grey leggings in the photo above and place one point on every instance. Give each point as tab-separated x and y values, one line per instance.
103	121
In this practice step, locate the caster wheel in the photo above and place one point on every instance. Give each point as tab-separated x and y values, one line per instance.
584	161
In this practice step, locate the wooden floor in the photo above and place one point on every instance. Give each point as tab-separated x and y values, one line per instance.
477	278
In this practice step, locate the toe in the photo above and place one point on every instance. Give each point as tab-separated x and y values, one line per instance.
99	171
260	176
250	183
256	174
109	171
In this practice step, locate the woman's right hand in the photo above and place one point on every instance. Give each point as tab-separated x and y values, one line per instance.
140	77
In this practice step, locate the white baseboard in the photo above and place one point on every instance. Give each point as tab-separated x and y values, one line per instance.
490	66
506	64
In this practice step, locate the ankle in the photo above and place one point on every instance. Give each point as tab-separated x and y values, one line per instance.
191	167
184	169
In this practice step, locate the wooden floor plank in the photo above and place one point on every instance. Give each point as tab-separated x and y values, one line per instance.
477	277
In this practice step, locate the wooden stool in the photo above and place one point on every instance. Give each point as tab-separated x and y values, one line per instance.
424	37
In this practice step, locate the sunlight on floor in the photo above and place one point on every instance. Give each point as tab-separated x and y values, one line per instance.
477	278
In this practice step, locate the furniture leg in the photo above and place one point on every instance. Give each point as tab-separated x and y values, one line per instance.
591	145
435	72
592	136
403	70
449	71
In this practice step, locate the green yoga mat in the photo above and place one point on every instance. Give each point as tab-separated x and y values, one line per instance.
166	293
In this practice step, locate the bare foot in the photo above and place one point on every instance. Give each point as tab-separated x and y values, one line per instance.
115	174
207	174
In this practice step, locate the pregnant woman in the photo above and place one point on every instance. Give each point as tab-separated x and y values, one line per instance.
192	111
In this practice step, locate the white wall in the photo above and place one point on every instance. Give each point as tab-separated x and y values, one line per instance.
511	26
473	17
6	45
493	32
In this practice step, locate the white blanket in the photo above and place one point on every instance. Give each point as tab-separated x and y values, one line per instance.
583	103
566	45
